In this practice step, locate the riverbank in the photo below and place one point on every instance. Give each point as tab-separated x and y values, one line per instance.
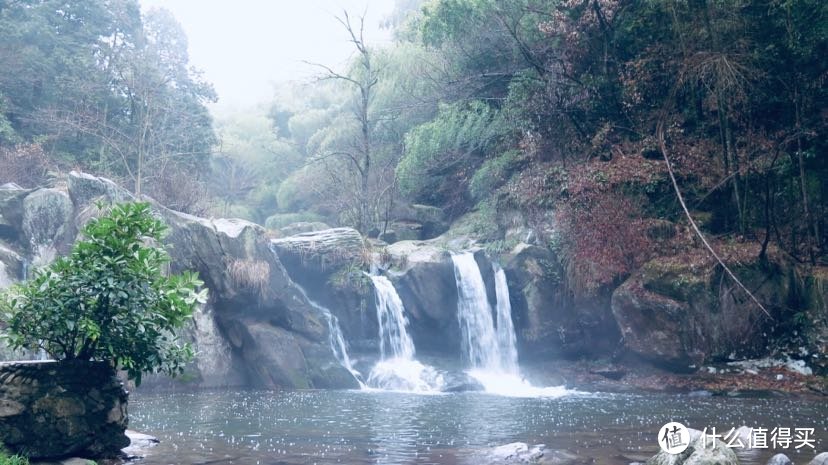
716	380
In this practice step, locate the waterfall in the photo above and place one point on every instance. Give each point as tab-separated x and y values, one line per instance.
479	339
393	335
397	368
506	339
335	337
488	342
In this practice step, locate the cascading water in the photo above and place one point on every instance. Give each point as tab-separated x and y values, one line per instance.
489	344
397	368
506	338
477	329
335	337
394	339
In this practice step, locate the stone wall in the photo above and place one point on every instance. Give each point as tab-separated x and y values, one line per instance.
52	410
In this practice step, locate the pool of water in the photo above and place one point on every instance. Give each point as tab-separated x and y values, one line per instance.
359	427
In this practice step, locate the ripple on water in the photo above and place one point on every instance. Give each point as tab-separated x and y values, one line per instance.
356	427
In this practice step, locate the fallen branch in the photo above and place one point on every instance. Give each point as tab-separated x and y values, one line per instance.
663	147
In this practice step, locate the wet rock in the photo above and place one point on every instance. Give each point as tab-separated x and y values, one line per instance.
614	374
780	459
820	459
47	219
699	452
461	382
84	402
678	314
521	453
516	452
550	321
423	275
330	266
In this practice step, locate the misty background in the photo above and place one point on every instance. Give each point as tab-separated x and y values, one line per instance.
245	47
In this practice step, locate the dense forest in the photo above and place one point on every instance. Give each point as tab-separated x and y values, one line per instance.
561	116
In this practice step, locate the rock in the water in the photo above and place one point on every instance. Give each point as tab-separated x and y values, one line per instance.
516	452
699	452
461	382
820	459
780	459
139	443
521	453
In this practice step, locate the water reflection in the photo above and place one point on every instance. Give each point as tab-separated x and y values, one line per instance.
356	427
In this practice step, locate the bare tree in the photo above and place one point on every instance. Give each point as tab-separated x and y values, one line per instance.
363	78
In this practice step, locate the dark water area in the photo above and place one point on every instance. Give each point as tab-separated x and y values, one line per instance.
359	427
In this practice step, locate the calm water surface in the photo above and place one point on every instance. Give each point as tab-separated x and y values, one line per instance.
357	427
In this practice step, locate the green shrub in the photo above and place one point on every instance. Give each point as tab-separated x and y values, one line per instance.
109	299
494	173
6	459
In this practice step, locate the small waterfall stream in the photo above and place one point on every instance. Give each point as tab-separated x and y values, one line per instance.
335	338
397	369
489	343
337	341
506	338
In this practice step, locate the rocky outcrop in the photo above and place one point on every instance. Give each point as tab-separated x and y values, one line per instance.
328	265
250	291
53	410
678	315
423	275
550	320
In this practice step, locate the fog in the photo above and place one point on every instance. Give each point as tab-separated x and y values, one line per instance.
244	47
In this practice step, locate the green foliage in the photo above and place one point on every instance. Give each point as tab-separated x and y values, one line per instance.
439	146
109	299
494	173
6	459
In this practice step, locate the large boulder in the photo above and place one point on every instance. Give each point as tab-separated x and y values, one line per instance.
55	410
679	314
47	224
551	320
250	294
329	265
11	212
423	275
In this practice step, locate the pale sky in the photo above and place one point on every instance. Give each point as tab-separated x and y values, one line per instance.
244	46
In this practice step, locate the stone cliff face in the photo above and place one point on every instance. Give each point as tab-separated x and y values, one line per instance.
257	328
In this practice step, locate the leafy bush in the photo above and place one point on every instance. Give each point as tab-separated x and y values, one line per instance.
493	174
433	148
6	459
109	299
